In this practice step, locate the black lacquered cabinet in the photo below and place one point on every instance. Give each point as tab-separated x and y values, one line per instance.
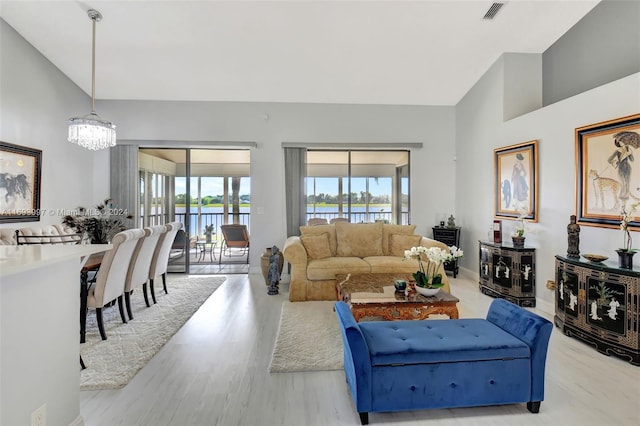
451	237
599	304
508	272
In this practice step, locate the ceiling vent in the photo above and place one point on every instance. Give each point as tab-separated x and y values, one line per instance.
493	11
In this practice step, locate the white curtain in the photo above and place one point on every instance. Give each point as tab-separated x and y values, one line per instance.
295	172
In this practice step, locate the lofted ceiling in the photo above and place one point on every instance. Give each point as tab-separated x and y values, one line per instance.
352	52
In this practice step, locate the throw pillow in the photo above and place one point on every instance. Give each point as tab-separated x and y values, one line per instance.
317	246
330	230
399	243
388	230
359	239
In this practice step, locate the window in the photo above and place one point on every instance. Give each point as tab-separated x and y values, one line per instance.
361	186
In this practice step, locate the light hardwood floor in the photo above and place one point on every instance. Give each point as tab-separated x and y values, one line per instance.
214	371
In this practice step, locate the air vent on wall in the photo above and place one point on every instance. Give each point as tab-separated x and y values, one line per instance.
493	11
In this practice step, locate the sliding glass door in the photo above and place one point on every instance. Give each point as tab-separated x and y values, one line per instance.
202	189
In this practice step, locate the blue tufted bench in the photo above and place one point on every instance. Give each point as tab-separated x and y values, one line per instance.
410	365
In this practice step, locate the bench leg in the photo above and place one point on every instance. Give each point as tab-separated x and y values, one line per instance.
533	406
364	418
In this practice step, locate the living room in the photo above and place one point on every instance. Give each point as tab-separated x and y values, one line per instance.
589	75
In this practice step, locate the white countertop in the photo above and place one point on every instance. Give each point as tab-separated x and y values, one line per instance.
15	259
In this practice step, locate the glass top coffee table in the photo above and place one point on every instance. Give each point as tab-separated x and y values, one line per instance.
374	295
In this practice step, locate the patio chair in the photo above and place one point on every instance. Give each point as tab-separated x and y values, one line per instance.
339	219
317	221
179	247
235	237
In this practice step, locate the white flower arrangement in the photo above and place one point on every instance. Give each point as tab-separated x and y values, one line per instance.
627	216
521	226
429	277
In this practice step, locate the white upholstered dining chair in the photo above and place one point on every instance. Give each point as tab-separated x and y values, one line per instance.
160	260
138	274
111	276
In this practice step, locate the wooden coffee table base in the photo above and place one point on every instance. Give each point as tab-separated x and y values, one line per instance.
371	295
404	312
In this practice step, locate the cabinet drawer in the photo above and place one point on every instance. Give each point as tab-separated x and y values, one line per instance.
447	236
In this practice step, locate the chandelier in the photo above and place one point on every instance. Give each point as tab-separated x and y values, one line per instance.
91	131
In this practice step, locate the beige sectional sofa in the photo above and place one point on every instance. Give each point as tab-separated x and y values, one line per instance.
42	234
322	251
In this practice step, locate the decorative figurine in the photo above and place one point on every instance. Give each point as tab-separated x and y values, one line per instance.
274	274
451	222
573	232
612	312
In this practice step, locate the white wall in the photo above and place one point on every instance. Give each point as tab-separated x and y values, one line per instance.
36	103
480	130
432	167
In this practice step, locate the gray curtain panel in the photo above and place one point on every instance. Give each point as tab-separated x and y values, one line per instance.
295	172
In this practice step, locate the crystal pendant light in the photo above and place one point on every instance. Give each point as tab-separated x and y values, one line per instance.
91	131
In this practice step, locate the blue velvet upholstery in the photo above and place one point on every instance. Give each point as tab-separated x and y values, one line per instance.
408	365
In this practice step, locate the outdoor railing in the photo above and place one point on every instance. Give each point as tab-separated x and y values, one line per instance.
215	219
360	217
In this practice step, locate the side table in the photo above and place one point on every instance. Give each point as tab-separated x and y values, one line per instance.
204	247
451	237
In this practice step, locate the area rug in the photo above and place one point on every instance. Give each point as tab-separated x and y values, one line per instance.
112	363
308	338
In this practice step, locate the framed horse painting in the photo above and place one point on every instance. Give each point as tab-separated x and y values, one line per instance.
608	177
20	169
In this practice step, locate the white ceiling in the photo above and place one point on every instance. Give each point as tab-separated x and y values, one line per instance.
355	52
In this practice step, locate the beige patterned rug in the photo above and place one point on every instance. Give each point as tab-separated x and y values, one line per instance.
112	363
308	338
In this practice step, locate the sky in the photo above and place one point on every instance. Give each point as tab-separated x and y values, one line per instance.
210	186
330	186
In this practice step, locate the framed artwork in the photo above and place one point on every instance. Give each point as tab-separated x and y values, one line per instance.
608	177
20	169
516	181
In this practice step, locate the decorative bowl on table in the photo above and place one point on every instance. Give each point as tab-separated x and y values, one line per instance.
428	292
400	285
595	257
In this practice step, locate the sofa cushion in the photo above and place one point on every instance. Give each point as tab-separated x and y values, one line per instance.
398	243
317	246
388	230
391	264
7	237
326	269
420	342
330	230
359	239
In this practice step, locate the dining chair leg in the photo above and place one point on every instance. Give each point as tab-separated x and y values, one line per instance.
146	297
127	300
100	323
164	283
153	292
121	309
82	366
